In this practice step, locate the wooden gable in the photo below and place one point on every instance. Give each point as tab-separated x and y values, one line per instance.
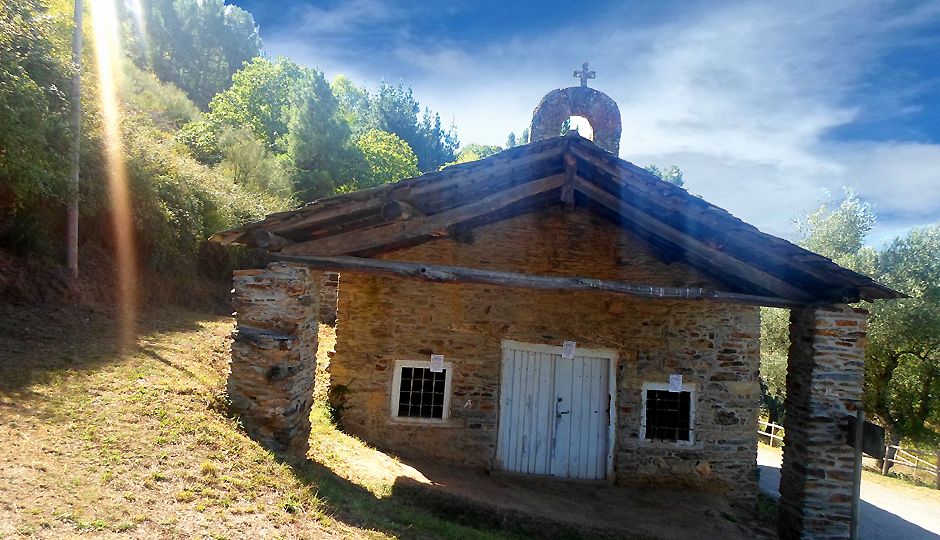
569	171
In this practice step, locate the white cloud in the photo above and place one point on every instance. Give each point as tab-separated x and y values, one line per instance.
347	17
740	96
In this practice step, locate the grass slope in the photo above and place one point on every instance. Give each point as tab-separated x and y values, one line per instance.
100	441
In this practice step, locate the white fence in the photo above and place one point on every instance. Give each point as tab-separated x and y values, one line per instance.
914	459
770	433
915	462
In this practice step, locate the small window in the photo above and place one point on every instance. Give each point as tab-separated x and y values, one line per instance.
667	416
419	393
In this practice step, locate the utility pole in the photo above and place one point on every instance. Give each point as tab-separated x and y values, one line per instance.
72	212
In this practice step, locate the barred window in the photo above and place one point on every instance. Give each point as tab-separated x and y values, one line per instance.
420	393
668	416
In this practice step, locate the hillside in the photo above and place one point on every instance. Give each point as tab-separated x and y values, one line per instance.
103	442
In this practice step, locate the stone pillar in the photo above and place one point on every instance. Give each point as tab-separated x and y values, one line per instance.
824	384
329	294
271	375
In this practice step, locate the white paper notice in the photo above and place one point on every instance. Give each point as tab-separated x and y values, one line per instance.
567	350
437	363
675	382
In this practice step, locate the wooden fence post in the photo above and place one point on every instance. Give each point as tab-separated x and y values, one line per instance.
938	470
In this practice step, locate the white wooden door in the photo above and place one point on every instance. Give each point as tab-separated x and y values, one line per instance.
555	416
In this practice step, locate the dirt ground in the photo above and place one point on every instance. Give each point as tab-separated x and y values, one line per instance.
99	440
589	508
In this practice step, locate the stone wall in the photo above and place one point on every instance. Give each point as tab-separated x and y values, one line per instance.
595	106
715	346
824	385
329	289
273	364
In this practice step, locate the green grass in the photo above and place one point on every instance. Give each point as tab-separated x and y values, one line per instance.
103	439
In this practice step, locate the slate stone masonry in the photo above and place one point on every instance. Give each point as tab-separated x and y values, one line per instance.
273	365
597	107
824	385
714	346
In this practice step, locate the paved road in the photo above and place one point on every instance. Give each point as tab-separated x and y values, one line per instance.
890	509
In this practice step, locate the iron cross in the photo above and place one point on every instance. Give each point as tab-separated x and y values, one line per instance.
584	74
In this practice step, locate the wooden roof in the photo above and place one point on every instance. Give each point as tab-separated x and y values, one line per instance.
566	170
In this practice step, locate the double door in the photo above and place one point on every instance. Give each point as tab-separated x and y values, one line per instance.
556	414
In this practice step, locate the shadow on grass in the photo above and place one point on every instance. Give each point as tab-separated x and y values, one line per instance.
38	344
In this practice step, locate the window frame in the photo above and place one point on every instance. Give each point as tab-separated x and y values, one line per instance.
693	398
396	392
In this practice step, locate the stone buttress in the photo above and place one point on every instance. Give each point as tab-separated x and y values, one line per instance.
824	385
271	376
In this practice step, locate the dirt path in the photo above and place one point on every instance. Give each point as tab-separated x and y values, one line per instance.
890	510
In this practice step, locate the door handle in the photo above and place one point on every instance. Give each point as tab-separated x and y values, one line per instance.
557	412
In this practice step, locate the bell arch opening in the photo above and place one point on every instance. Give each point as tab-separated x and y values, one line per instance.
565	105
579	124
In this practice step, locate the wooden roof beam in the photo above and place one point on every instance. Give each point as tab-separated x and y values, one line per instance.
459	274
719	260
372	200
423	226
706	214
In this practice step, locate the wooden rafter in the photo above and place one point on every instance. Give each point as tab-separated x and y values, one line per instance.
570	170
716	221
701	251
435	225
459	179
459	274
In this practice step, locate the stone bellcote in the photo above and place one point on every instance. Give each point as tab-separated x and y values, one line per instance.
597	107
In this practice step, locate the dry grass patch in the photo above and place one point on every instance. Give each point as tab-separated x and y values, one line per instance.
102	441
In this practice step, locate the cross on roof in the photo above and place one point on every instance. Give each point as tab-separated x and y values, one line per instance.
584	74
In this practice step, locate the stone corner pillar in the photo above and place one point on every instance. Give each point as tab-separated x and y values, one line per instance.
273	365
825	373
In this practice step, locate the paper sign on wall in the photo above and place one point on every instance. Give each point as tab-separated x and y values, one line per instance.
437	363
675	382
567	350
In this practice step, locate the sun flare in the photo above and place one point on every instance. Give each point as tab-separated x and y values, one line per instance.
107	51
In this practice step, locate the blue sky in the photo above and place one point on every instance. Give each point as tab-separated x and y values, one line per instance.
766	107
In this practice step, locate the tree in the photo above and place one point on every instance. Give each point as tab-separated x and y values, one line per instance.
435	146
511	140
672	175
259	98
354	104
838	234
902	358
34	76
774	350
835	231
387	158
395	110
474	151
247	162
902	361
317	138
195	44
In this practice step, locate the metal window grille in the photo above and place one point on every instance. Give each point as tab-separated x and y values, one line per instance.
421	394
668	415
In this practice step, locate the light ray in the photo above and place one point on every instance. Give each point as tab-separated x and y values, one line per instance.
107	51
140	22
